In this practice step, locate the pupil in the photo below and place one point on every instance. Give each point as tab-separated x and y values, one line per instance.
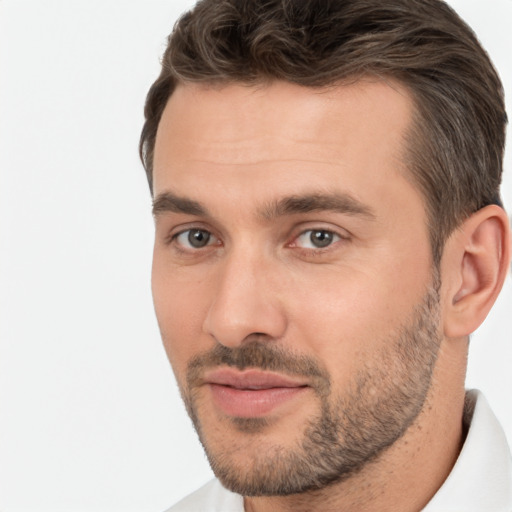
198	238
321	238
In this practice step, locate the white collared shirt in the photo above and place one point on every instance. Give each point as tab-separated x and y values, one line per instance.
480	481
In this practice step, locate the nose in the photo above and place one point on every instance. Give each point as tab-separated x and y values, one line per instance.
246	302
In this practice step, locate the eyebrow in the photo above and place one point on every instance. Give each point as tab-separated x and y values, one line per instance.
336	202
169	202
296	204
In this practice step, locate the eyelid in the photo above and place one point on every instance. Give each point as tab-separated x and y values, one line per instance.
211	239
176	231
335	238
340	233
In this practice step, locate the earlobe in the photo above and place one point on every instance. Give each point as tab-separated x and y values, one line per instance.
478	257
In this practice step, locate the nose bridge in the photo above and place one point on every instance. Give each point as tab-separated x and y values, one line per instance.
245	299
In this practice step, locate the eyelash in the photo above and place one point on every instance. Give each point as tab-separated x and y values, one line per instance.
313	251
308	234
173	239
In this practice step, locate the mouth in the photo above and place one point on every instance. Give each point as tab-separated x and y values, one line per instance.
252	393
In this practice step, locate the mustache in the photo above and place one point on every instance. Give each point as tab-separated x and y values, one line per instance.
256	355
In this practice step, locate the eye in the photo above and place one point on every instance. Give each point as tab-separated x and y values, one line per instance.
194	238
317	239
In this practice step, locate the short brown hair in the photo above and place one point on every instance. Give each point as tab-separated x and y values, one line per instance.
455	147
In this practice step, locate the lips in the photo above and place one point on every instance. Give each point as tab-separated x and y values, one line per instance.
251	393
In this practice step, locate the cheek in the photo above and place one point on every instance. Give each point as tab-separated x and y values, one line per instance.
180	310
351	314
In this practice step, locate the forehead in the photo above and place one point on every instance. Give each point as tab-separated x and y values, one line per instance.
280	137
281	110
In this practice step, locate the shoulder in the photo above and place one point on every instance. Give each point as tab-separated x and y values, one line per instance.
212	497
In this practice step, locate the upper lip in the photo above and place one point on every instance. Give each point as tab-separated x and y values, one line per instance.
251	379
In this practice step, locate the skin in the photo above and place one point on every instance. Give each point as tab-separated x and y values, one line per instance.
234	152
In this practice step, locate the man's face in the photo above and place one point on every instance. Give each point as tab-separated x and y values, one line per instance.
292	277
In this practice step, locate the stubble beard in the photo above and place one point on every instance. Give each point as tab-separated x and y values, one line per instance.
352	430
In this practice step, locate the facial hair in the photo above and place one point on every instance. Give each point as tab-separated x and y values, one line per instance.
355	425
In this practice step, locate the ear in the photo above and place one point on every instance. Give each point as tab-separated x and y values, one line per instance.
474	267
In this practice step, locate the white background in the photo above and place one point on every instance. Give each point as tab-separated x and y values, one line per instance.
90	419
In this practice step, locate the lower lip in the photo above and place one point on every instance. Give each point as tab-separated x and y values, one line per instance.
244	403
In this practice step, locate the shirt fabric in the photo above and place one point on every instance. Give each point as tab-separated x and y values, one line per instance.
480	481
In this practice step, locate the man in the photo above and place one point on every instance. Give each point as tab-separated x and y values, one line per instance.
329	232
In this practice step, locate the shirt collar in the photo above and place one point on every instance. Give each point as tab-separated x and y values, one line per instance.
481	480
